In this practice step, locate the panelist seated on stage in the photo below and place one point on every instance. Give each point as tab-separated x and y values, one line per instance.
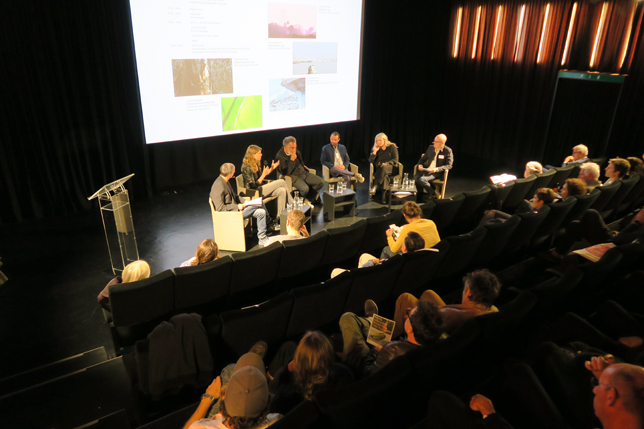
226	200
254	180
413	242
336	159
291	165
384	159
432	165
295	228
425	227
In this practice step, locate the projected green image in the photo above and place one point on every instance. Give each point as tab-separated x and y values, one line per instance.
240	113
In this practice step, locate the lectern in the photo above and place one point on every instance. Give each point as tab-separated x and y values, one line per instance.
114	202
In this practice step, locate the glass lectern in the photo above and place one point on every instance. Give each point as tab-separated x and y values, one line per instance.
114	202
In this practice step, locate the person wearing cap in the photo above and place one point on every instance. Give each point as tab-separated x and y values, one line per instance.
244	400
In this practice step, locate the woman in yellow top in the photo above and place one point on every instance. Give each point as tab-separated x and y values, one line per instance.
425	227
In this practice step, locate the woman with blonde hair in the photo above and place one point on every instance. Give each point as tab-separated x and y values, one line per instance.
384	157
133	272
207	251
254	180
312	370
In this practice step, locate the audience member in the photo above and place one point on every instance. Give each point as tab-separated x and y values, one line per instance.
267	188
589	173
413	241
313	369
543	197
579	155
335	157
295	228
617	169
225	200
207	251
133	272
422	326
425	227
432	166
637	166
479	292
532	167
384	158
292	165
573	187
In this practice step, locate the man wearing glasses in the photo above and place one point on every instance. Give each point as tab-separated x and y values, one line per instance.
432	166
579	155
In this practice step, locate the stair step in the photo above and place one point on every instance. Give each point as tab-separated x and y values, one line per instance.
51	371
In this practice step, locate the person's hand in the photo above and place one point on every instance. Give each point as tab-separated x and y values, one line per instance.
431	170
275	165
265	172
240	207
383	164
304	231
598	364
421	168
639	217
482	404
294	156
341	167
389	232
376	261
215	388
569	158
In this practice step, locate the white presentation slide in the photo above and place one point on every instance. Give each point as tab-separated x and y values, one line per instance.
217	67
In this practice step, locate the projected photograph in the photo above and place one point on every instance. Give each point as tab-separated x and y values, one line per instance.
202	76
240	113
292	21
286	94
315	58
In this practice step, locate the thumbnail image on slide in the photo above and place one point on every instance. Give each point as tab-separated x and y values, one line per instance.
202	76
315	58
240	113
292	21
287	94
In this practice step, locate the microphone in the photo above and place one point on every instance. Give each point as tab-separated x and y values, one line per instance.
265	163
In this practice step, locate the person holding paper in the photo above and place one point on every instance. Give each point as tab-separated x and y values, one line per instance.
254	180
425	227
225	200
432	166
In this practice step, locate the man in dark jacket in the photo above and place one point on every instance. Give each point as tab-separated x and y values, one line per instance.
423	326
336	159
433	165
291	165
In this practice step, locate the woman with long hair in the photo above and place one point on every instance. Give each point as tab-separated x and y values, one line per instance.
312	370
207	251
254	180
384	157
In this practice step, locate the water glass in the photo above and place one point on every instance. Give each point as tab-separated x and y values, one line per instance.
296	194
396	182
331	188
289	207
300	203
412	184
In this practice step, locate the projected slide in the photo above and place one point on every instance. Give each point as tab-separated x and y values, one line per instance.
217	67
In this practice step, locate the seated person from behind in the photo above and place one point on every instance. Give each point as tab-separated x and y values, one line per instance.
540	199
589	173
532	167
133	272
413	242
292	165
637	166
423	325
384	160
425	227
267	188
295	228
432	166
312	370
572	188
207	251
480	290
226	200
616	170
335	157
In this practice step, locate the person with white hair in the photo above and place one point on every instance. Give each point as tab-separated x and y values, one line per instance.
589	173
532	167
579	155
432	166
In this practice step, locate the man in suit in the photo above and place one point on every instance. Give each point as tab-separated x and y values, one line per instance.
291	165
432	165
336	159
226	200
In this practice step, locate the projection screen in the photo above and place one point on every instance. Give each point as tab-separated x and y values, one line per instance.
216	67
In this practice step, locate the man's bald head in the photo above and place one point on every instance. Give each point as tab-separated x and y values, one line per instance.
620	394
439	141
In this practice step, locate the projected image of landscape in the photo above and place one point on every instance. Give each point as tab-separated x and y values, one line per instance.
240	113
202	76
286	94
287	21
315	58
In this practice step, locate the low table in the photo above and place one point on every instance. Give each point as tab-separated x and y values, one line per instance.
410	190
307	219
331	201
